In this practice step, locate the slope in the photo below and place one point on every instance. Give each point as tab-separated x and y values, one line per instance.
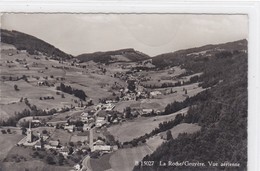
31	44
222	116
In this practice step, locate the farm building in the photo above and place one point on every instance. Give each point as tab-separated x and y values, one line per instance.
100	145
52	145
38	145
87	127
70	128
64	151
146	111
155	93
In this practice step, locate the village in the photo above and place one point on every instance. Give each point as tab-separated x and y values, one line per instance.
89	109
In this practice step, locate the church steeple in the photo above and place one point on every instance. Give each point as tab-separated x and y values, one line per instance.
29	133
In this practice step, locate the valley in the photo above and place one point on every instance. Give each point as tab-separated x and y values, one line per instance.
61	112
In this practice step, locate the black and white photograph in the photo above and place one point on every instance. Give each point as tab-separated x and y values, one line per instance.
123	92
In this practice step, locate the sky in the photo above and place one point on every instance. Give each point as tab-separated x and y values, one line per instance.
152	34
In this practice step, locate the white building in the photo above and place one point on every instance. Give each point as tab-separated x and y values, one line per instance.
70	128
155	93
100	145
146	111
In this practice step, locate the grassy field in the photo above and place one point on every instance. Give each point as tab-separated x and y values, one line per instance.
8	141
184	128
101	164
154	142
62	135
90	83
124	159
139	126
50	130
7	110
33	165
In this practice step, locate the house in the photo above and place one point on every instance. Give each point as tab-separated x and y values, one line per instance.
155	93
109	106
77	167
52	145
129	97
36	122
146	111
70	128
84	116
115	120
64	151
38	145
103	148
100	145
99	106
100	121
87	127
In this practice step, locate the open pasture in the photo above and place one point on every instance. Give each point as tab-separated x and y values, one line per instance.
33	94
8	141
62	135
140	126
124	159
184	128
92	83
8	110
101	164
35	165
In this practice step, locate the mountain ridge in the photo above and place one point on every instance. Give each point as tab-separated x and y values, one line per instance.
106	56
32	44
168	58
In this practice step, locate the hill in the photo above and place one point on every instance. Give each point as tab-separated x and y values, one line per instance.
31	44
222	114
121	55
177	58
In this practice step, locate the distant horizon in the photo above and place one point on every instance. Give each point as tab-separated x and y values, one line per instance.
151	34
133	48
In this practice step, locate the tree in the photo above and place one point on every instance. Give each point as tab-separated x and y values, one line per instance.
61	159
16	88
23	130
128	112
131	85
3	131
50	160
9	131
169	135
70	150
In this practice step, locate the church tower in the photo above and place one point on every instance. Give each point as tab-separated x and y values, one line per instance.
91	139
29	134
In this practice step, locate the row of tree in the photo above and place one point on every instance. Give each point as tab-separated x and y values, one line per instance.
76	92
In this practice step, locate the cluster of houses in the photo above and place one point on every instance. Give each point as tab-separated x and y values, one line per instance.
39	141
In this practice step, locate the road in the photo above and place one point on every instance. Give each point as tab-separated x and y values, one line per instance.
86	164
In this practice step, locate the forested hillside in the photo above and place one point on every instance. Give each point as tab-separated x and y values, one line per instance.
31	44
223	116
199	53
106	57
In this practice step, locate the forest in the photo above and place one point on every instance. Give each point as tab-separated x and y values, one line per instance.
222	116
76	92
